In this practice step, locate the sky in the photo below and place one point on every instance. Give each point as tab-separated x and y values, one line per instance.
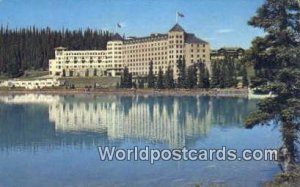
220	22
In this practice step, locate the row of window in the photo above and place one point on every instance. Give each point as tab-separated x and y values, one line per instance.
90	66
144	59
176	36
110	48
117	57
143	72
114	44
145	40
146	68
146	64
197	45
145	45
176	41
145	50
83	53
81	61
203	56
198	50
83	58
116	53
147	54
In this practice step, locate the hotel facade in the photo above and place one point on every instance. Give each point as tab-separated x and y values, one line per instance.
135	53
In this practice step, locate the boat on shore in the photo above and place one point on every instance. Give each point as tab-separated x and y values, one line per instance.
252	94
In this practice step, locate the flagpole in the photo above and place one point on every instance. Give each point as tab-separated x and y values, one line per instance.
176	17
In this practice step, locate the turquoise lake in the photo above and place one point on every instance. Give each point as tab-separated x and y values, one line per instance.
51	140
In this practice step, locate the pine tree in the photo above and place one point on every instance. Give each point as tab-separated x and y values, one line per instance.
203	76
126	79
223	74
276	58
230	78
160	84
130	84
151	78
205	80
191	79
168	79
181	72
215	78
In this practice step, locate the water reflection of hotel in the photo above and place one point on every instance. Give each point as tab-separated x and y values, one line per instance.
141	121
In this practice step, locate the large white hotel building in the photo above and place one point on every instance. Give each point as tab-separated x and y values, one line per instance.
135	53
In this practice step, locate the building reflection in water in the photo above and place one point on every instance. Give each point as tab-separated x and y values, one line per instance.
161	119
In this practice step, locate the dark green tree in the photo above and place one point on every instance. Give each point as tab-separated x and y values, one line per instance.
223	78
229	72
191	78
126	79
203	76
160	83
276	58
224	73
205	79
215	77
181	72
151	78
168	79
201	69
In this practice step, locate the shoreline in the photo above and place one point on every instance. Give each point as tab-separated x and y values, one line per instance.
233	92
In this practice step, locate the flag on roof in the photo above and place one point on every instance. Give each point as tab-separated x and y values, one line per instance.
180	14
119	25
